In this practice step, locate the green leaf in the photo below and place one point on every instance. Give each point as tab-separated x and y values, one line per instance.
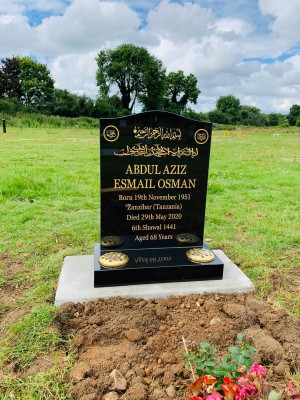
234	350
199	371
248	363
246	353
220	372
273	395
226	368
233	368
240	337
211	363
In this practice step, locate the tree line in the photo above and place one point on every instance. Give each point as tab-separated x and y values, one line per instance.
139	78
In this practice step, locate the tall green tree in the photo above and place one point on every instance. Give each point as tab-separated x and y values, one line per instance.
230	106
250	115
218	117
180	90
137	74
67	104
109	106
294	114
273	119
25	79
36	81
10	85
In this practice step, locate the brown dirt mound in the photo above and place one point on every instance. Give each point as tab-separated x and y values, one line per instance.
132	348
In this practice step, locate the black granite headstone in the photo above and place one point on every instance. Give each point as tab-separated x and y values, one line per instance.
153	180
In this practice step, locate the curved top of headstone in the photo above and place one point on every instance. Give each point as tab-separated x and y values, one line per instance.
157	116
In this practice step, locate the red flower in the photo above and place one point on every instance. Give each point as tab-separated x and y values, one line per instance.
227	380
203	381
258	370
249	391
195	398
291	390
214	396
230	389
244	380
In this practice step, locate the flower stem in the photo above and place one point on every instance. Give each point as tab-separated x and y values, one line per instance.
186	350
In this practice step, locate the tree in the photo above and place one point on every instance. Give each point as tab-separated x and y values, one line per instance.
67	104
10	85
218	117
109	107
230	106
283	121
190	113
252	116
273	119
137	74
25	79
294	114
36	81
10	106
180	90
63	103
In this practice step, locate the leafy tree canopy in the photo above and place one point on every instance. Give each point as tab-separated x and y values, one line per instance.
180	90
294	114
10	85
36	81
69	104
229	105
273	119
26	80
218	116
250	115
106	106
137	74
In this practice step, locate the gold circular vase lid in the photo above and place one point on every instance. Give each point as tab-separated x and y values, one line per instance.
187	238
111	241
199	255
113	259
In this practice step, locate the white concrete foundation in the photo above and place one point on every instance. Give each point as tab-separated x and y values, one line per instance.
76	283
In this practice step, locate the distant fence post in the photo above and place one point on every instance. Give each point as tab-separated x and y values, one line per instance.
4	125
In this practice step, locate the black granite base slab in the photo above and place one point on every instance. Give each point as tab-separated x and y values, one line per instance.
157	265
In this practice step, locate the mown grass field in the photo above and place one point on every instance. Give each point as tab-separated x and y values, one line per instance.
49	207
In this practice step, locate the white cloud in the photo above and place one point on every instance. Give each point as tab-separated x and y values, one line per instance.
286	18
178	22
213	39
234	26
16	36
87	25
76	73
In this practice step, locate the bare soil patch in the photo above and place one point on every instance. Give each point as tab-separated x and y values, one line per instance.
132	348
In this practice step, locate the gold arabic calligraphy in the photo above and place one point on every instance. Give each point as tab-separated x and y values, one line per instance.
157	150
156	133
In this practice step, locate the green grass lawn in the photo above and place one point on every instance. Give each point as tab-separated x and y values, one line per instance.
253	208
49	207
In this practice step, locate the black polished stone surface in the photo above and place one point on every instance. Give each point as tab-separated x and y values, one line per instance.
138	196
156	265
153	179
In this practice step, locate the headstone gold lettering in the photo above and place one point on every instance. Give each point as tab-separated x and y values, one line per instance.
153	183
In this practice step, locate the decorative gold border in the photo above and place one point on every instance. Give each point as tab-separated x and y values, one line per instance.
105	135
195	136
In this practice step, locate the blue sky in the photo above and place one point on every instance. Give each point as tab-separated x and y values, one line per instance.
249	48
